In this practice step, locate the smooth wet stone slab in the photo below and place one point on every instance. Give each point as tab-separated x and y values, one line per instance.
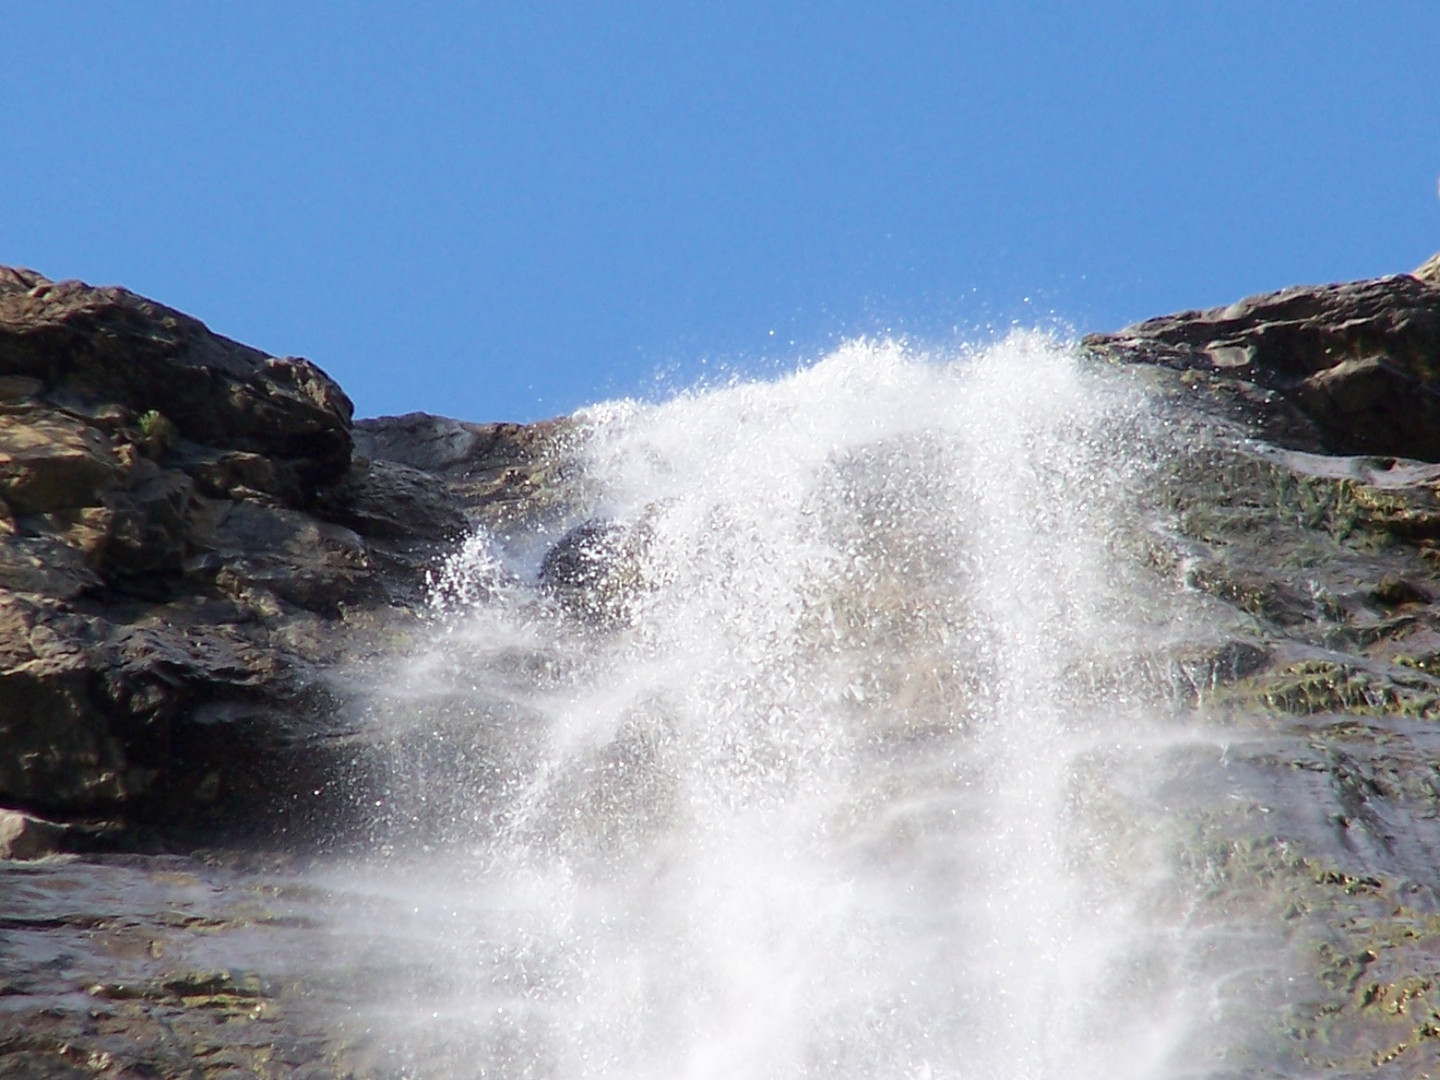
169	967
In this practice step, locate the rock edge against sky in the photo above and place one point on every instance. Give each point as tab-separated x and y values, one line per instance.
192	532
195	537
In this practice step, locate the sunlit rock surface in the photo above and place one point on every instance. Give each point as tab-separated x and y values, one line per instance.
187	542
208	572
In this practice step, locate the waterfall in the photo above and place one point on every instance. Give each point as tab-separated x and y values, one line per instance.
821	746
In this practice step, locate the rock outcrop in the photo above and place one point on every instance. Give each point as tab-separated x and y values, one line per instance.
193	534
1342	369
189	539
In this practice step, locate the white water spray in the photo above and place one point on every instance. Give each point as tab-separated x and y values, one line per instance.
822	768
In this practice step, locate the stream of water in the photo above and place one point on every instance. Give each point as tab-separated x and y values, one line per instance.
829	751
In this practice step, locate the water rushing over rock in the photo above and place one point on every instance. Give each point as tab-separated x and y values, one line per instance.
1025	712
816	762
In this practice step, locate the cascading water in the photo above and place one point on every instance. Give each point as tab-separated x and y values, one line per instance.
825	749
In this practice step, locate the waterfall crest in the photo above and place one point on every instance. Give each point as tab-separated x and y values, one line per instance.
821	745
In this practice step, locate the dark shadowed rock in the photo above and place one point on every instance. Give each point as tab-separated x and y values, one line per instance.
390	501
504	475
1350	369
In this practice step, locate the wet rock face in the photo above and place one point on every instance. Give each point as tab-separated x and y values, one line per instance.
1319	827
123	967
188	541
1348	369
595	570
1318	823
194	537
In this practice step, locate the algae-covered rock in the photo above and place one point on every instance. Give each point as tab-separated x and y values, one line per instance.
1304	503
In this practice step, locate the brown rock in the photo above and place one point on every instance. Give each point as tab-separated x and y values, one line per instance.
49	461
503	475
59	751
316	565
1359	361
45	565
108	345
390	501
237	474
186	545
155	561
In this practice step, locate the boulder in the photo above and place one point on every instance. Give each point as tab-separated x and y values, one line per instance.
25	837
595	571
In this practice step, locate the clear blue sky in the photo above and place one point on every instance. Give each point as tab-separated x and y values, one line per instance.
503	211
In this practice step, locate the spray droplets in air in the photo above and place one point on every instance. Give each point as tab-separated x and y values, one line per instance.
768	762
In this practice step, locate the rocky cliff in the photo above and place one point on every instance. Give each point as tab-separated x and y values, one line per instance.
194	536
1307	505
191	533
